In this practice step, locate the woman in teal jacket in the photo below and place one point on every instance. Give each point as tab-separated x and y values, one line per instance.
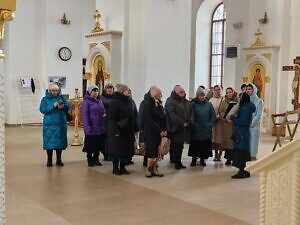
54	106
202	121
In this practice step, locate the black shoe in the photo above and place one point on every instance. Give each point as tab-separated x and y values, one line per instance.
247	174
97	163
178	167
194	161
124	171
116	172
239	175
91	164
202	162
130	163
182	166
49	164
59	163
228	162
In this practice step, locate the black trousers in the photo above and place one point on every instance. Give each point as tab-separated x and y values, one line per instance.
177	148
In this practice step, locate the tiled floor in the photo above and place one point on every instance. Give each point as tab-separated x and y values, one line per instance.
76	194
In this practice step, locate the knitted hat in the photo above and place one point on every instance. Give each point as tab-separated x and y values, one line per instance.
178	89
121	88
200	91
91	88
109	85
155	91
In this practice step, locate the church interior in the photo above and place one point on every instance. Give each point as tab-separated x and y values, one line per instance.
141	43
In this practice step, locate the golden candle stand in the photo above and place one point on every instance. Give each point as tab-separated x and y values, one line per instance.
77	140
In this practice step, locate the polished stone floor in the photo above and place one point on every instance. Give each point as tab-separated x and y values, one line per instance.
76	194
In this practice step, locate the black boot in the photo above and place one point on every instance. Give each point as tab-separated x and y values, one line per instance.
58	158
171	152
49	158
90	159
96	159
116	170
178	155
228	162
145	161
202	162
239	175
194	161
123	169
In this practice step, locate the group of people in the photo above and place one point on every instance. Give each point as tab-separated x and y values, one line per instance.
208	122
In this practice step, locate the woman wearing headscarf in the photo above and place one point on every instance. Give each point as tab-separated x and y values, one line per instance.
226	126
217	130
93	113
241	136
54	107
178	110
155	127
121	128
202	121
256	120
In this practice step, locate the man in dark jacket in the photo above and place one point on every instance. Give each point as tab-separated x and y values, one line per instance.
178	110
106	98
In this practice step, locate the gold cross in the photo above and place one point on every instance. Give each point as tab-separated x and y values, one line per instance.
97	16
258	41
98	27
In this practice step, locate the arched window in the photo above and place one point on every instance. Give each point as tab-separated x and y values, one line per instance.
218	27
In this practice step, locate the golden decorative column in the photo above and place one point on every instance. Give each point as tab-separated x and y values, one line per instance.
77	141
7	8
98	27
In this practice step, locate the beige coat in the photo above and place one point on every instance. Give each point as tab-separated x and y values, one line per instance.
216	102
226	126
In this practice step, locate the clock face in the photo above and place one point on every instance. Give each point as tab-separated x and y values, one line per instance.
65	53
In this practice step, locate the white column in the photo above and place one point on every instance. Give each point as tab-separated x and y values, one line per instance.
2	147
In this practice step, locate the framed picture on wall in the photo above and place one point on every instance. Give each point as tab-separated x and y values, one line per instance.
59	80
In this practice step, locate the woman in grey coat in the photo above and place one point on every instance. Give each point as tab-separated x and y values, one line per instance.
178	110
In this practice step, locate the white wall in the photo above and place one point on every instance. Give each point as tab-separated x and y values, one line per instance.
33	40
149	57
168	44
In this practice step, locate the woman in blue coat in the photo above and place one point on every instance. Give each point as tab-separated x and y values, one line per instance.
202	121
241	136
93	113
54	106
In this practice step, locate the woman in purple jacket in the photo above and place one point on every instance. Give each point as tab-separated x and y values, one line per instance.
93	112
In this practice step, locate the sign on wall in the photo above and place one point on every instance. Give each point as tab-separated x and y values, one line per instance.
60	81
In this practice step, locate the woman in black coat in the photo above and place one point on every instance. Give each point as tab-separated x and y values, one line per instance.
121	128
154	129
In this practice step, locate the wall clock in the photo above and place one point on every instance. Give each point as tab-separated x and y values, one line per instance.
64	53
